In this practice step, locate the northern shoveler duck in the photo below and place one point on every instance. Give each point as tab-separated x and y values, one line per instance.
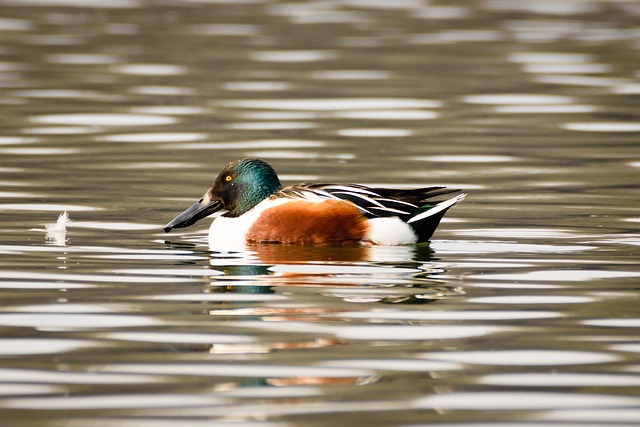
259	210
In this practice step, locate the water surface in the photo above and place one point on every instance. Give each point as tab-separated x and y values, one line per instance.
523	310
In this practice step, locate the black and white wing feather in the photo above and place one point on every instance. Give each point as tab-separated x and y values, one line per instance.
373	202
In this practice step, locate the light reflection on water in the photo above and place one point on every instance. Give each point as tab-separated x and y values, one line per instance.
521	311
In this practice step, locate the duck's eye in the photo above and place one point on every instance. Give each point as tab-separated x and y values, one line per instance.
228	178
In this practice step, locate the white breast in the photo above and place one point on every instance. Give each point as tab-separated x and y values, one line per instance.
234	230
390	231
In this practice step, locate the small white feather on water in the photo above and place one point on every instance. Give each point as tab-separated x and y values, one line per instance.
60	225
57	231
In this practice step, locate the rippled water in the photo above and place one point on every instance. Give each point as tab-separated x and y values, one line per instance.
523	310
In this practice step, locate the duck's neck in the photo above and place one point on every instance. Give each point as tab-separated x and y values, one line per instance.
254	193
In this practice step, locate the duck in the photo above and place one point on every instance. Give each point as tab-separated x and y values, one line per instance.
253	208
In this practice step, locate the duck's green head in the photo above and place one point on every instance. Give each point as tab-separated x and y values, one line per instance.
238	188
243	184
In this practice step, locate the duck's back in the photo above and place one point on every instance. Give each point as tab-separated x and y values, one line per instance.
394	216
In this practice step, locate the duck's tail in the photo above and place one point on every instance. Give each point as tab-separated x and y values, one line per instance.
426	219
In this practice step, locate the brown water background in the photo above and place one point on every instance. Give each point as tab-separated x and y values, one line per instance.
523	310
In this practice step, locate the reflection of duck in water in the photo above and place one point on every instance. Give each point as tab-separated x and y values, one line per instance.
259	210
256	259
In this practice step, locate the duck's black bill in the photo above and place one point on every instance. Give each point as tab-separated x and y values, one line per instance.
193	214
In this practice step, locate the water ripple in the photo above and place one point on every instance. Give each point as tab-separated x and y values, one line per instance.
410	332
149	272
119	401
557	379
74	321
400	114
512	401
550	58
254	144
334	104
402	365
603	126
225	29
39	151
82	58
217	297
239	370
351	75
375	133
533	299
579	80
115	4
163	90
615	323
70	377
582	68
24	346
260	86
547	109
292	55
60	278
449	315
465	158
272	125
149	69
518	99
560	275
524	357
177	338
48	207
156	137
104	119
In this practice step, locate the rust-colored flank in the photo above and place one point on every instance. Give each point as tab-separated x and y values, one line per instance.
302	222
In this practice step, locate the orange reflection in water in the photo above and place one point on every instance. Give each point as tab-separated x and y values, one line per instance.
275	253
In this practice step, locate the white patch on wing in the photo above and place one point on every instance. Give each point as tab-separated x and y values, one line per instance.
350	189
390	231
361	196
386	209
398	201
314	196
